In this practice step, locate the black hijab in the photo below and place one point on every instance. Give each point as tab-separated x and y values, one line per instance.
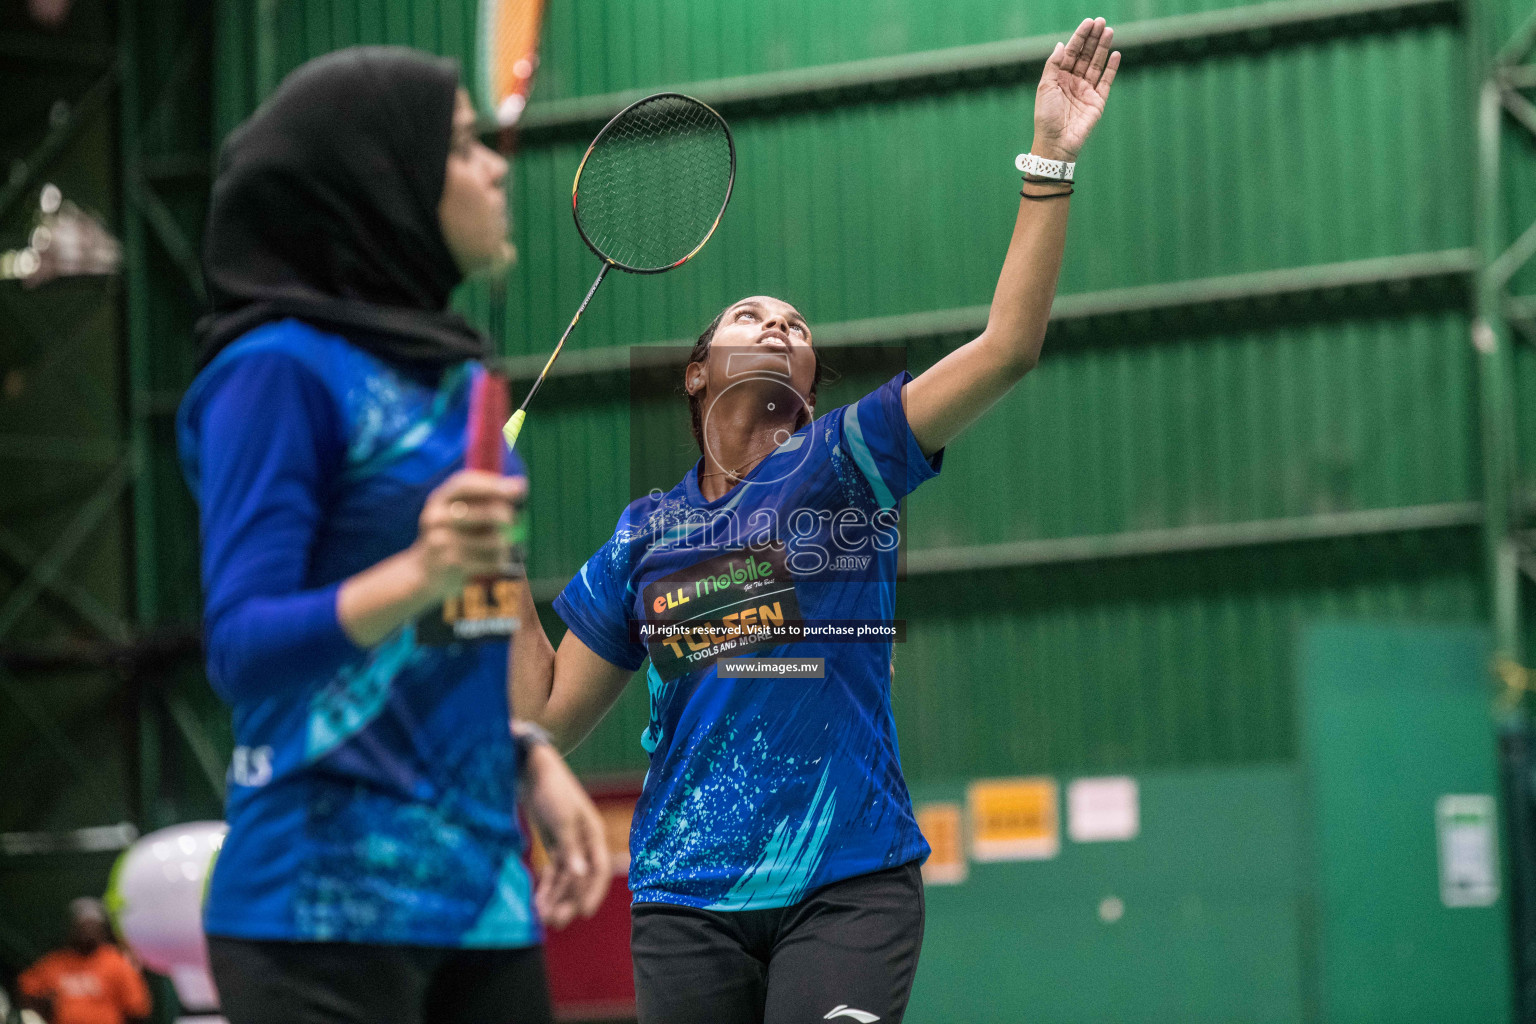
325	209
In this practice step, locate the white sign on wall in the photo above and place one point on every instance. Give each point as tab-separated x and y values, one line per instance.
1103	810
1468	842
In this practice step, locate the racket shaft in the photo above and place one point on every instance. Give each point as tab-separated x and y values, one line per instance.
514	425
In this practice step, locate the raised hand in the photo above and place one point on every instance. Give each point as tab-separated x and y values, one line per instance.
1073	89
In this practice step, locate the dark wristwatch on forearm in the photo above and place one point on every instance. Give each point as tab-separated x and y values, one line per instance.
527	735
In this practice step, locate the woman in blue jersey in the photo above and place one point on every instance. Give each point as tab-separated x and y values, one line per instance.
774	855
372	871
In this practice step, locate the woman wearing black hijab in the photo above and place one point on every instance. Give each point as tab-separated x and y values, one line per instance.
373	869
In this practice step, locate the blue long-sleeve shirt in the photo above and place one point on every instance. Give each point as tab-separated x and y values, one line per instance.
371	791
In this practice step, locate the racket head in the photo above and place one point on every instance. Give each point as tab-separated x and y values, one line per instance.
508	56
654	183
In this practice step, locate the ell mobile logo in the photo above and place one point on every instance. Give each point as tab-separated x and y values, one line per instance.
756	569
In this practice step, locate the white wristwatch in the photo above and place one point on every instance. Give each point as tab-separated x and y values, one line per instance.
526	733
1040	167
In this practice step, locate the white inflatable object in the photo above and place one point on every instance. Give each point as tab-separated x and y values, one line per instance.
155	897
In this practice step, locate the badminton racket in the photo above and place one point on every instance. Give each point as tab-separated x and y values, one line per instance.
650	191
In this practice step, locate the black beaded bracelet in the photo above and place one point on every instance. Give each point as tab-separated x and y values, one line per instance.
1048	195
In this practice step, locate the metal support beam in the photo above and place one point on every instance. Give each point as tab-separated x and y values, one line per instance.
1251	27
1171	541
26	172
153	86
189	50
1527	561
149	750
52	52
1495	372
1518	77
178	167
46	570
136	272
85	771
1521	309
1187	539
1393	274
1520	108
172	239
86	608
159	403
33	448
18	947
1519	45
266	48
1497	264
1397	273
61	345
1493	85
93	839
1508	263
203	751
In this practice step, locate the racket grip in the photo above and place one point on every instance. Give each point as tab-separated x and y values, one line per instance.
514	427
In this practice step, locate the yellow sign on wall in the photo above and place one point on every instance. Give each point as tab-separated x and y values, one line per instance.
944	828
1014	819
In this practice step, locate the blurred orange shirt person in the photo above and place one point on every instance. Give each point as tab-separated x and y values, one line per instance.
91	981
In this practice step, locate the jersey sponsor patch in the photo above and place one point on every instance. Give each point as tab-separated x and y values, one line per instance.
727	605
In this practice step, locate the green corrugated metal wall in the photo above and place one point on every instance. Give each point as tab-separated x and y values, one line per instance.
1271	160
905	205
1260	151
1266	157
81	699
61	383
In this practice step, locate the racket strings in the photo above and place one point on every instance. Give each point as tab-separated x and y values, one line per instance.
656	182
648	195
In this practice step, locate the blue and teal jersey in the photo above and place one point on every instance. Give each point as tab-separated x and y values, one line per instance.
371	794
763	789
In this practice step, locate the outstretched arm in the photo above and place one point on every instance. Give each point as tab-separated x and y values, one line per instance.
955	391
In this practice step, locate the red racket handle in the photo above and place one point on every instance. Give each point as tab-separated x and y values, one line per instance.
489	407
